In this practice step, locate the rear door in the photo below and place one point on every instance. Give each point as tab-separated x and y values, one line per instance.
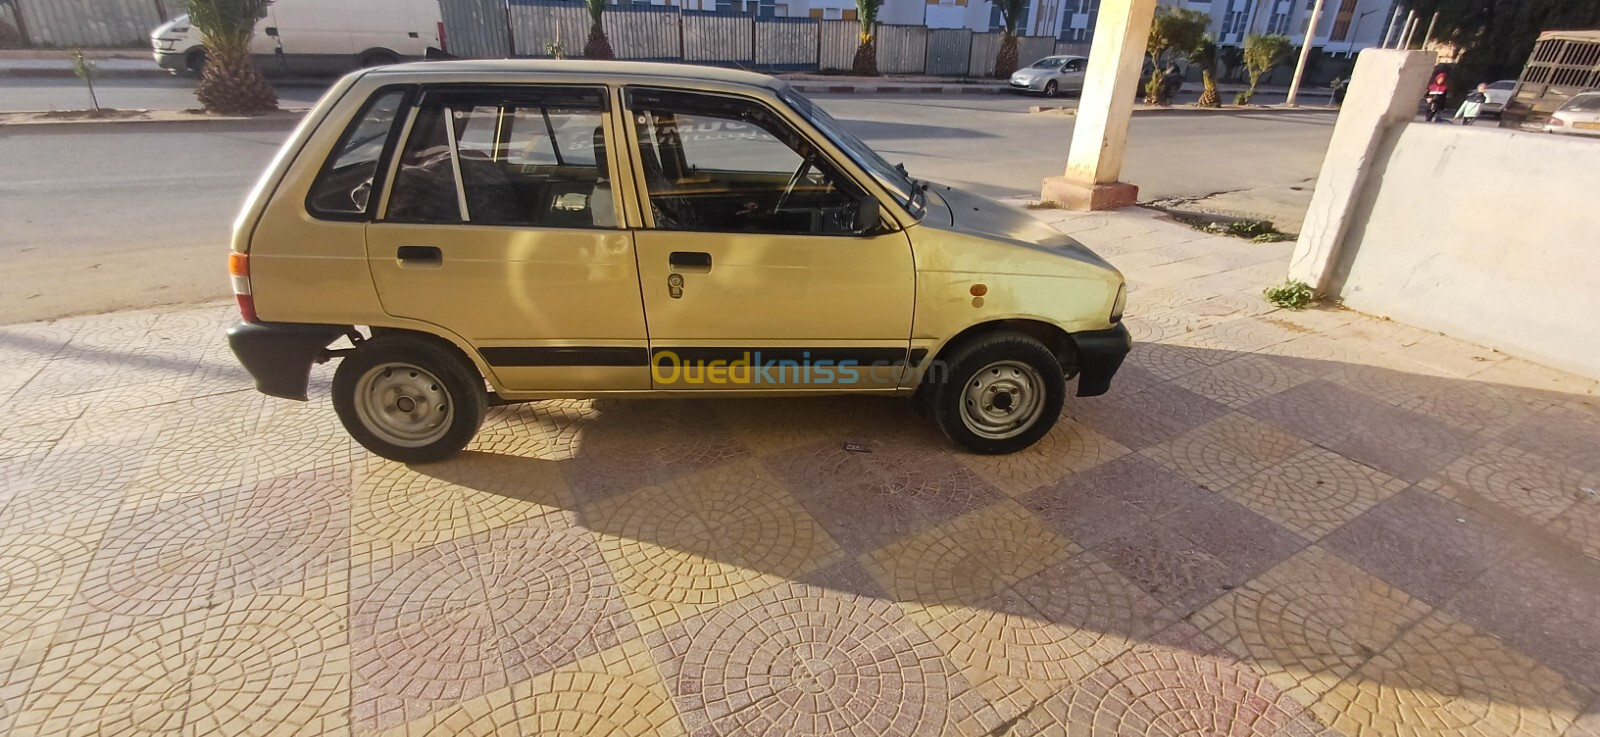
501	226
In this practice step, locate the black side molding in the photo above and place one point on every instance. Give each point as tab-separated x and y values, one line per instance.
279	355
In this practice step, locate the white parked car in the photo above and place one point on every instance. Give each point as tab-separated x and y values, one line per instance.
1499	93
1051	76
318	36
1579	116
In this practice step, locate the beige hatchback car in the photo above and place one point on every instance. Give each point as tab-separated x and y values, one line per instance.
505	231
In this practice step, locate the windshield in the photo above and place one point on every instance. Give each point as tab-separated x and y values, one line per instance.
1588	102
1050	63
893	178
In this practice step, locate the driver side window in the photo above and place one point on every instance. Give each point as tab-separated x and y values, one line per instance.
721	164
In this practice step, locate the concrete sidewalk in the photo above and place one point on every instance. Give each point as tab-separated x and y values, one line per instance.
1277	523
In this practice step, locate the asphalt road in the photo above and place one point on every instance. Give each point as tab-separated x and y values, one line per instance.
106	217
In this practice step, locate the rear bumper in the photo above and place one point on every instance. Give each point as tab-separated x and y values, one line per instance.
279	355
1100	354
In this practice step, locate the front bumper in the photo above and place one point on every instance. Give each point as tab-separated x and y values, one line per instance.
279	355
1035	85
1100	354
172	61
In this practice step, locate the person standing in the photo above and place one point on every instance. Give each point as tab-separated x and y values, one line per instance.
1438	90
1473	104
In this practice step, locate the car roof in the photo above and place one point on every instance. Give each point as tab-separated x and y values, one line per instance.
632	69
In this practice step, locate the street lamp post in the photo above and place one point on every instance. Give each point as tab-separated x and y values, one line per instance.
1355	33
1305	53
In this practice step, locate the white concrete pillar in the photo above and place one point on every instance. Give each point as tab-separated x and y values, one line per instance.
1382	96
1100	132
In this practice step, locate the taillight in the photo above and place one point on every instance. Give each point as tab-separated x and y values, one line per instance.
442	45
239	274
1556	122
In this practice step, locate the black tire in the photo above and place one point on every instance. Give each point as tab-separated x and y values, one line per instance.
990	365
378	59
1050	88
194	63
456	389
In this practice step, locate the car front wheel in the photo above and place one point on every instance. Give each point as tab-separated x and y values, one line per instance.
1002	392
409	400
1050	88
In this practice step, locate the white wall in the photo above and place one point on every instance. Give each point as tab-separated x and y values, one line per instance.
1484	234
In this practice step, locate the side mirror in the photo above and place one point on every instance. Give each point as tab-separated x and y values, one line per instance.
867	217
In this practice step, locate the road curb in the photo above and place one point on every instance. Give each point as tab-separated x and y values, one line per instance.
897	89
162	117
25	73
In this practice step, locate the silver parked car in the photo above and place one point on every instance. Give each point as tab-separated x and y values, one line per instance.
1051	76
1579	116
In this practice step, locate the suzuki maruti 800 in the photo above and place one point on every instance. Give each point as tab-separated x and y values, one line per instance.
500	231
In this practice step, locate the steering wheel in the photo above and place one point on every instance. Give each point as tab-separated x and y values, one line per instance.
788	189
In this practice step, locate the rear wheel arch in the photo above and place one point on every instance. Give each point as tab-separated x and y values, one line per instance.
377	56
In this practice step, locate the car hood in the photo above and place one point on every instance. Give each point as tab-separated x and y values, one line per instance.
976	215
1030	73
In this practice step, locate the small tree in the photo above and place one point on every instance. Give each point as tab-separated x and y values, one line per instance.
1261	54
231	82
1204	55
598	46
866	61
86	71
1173	30
1005	60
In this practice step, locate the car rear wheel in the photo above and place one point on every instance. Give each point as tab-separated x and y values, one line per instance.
1003	391
1050	88
409	400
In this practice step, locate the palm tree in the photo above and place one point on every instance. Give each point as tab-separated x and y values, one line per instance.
231	83
866	61
598	46
1261	54
1174	29
1204	56
1005	60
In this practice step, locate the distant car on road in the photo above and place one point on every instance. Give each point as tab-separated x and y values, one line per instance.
1579	116
1051	76
317	37
1499	93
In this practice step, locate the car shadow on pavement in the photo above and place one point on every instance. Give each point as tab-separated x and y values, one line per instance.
1324	532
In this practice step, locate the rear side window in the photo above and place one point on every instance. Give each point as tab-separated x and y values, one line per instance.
1588	102
344	188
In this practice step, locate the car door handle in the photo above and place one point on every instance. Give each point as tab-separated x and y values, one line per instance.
690	261
419	255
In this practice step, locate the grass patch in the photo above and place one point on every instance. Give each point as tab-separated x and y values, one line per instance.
1255	231
1043	205
1291	295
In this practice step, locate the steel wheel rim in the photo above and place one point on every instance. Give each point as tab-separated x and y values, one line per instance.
403	405
1002	400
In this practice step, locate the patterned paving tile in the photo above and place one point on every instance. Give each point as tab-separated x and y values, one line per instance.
1243	379
1226	451
632	444
702	541
1154	690
1114	499
1069	448
796	659
1309	622
1425	545
1423	685
1522	482
1544	607
969	559
865	500
1314	492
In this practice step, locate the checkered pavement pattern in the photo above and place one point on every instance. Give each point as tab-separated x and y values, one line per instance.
1276	523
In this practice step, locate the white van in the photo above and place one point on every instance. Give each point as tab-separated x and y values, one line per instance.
318	36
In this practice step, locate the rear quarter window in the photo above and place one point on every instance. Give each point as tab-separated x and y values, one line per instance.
343	189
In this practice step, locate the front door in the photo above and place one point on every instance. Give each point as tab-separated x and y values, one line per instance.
752	267
500	226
